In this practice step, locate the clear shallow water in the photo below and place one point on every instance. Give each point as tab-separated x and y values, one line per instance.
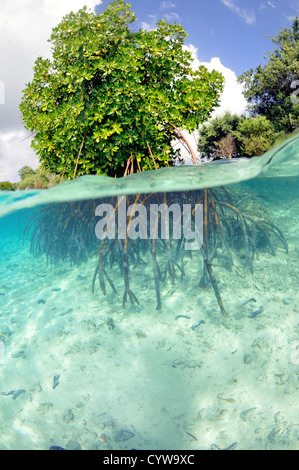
82	371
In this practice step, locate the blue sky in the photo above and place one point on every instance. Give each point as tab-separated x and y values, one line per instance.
233	30
226	35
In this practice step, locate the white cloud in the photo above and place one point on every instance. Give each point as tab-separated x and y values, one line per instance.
151	25
25	27
232	99
172	16
246	15
167	5
169	16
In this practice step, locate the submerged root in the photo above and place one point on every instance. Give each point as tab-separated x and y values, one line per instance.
131	295
230	226
171	264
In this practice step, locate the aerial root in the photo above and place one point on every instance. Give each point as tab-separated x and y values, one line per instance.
170	268
65	231
131	295
102	271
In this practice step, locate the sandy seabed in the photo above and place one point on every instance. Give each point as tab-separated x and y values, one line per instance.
81	372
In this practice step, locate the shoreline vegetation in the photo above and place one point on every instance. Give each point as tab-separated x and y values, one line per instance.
40	179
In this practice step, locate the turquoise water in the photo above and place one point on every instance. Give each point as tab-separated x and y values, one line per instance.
163	367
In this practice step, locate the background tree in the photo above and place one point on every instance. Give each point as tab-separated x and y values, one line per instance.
216	131
6	186
110	93
232	135
226	147
255	135
269	89
37	179
25	172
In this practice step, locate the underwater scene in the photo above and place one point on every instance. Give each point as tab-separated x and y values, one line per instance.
156	311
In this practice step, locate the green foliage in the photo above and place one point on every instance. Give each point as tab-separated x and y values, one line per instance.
25	172
269	89
6	186
255	135
212	133
226	147
231	135
110	92
282	137
37	179
27	183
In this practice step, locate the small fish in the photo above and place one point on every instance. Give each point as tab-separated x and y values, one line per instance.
56	289
56	381
193	437
56	448
256	313
201	322
17	393
271	5
231	447
123	435
19	354
182	316
68	311
41	301
6	394
250	300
